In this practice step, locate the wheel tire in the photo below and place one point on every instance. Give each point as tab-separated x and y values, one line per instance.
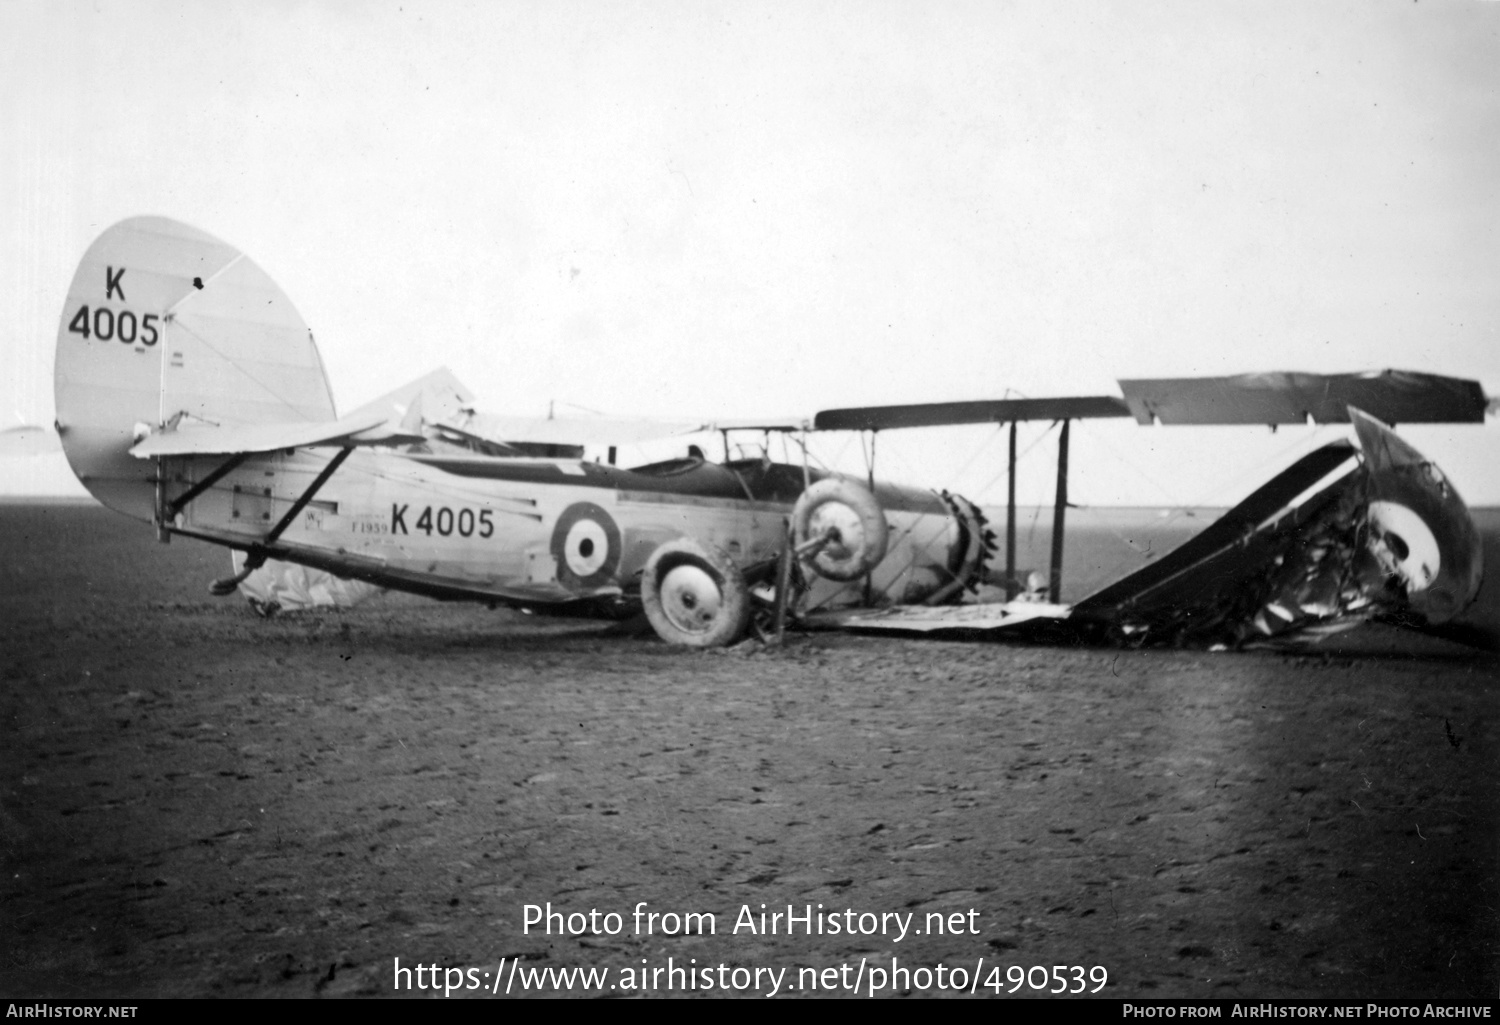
695	595
850	509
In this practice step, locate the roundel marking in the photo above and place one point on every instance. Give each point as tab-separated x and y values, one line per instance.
1405	545
586	545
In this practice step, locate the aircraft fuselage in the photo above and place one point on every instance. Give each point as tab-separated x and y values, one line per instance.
541	532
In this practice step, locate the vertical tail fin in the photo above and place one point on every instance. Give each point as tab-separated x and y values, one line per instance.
164	322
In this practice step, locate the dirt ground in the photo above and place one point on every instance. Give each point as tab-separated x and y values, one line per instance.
196	802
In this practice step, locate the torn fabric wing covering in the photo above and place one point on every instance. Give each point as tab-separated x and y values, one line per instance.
286	587
1178	578
1291	544
1304	565
1327	544
1323	546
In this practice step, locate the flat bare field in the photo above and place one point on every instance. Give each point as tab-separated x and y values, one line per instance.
194	801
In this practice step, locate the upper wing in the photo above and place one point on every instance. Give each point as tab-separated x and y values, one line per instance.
1395	396
939	414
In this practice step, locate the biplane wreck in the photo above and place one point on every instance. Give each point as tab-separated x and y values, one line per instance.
190	395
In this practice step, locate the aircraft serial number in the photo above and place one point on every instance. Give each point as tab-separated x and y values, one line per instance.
106	324
445	521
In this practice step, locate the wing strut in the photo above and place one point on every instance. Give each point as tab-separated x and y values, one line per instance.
1010	521
1059	512
870	576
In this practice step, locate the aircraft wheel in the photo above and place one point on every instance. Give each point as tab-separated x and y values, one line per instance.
695	595
852	521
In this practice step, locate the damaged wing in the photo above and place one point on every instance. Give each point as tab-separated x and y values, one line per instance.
1327	544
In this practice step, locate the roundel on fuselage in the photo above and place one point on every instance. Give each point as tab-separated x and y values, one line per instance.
586	545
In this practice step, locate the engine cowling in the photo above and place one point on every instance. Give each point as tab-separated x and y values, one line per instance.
958	563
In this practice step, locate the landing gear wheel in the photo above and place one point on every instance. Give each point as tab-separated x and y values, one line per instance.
694	595
850	519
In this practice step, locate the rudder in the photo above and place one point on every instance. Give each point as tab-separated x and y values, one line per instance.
164	322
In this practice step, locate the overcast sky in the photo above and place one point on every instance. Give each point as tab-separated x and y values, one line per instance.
749	209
